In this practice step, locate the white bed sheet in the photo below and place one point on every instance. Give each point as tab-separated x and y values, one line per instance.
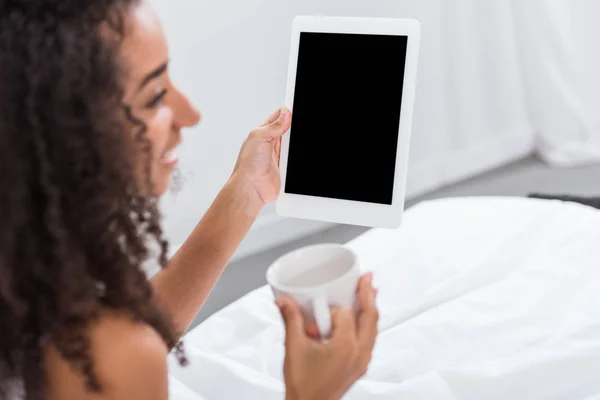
480	299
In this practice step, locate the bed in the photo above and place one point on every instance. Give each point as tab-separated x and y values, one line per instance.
480	298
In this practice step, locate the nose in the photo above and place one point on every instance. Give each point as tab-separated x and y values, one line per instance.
194	115
186	114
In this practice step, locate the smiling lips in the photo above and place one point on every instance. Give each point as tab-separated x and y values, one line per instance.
170	158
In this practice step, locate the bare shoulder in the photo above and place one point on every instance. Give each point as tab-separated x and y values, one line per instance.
130	360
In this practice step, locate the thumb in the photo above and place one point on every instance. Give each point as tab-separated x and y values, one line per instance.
276	126
292	319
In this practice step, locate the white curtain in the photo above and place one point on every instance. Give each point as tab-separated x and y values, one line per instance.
499	79
471	110
561	64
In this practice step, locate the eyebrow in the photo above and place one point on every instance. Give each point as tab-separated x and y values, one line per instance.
153	75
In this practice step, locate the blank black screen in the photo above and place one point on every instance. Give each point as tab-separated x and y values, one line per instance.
347	104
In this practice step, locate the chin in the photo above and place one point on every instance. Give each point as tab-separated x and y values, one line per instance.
161	185
162	188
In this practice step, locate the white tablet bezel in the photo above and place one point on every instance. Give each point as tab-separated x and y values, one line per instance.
345	211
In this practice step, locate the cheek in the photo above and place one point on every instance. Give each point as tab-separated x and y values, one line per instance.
159	130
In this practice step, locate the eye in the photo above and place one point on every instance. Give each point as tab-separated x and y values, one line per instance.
157	101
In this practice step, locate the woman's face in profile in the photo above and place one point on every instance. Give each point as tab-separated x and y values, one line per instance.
151	95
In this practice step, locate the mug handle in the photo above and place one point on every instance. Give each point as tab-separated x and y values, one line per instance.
322	315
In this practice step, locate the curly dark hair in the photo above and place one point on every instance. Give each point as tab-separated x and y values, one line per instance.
76	223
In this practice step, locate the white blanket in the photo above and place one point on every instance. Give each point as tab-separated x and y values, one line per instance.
480	299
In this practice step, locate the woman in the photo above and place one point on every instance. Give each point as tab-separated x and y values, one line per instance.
89	123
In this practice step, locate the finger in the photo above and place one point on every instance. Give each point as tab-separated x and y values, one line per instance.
312	330
292	319
343	322
368	316
368	276
278	151
277	128
272	118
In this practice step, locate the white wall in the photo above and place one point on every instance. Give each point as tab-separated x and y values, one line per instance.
230	56
561	58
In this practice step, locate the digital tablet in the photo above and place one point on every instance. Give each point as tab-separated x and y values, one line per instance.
351	84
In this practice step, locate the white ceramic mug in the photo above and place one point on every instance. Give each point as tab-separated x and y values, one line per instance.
317	278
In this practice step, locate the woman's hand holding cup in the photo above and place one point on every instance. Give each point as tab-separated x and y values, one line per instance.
327	370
